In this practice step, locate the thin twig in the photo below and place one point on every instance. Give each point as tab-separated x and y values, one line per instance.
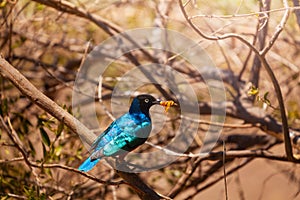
229	154
224	170
252	14
14	137
216	180
261	34
261	56
297	11
279	29
221	37
26	88
12	160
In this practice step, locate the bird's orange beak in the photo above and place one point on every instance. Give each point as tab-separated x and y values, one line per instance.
167	104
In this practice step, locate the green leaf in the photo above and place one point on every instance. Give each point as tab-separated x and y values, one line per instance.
4	107
266	100
58	150
32	150
40	7
45	137
253	91
43	196
45	153
60	128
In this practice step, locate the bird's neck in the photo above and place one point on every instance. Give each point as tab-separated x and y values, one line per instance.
140	114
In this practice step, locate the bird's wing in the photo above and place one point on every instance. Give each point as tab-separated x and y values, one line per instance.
124	133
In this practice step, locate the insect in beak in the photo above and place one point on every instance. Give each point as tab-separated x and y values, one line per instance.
167	104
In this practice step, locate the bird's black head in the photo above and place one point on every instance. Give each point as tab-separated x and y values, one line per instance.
142	103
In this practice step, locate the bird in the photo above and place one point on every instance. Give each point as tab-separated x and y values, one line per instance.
125	133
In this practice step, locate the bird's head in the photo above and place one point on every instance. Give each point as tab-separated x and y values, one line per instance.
142	103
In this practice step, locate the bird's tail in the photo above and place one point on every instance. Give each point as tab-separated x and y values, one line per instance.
88	164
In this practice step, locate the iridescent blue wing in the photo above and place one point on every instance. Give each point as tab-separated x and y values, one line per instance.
125	133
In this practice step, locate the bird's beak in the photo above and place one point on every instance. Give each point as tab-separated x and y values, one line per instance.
157	102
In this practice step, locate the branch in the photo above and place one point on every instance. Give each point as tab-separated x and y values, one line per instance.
139	186
216	180
260	153
279	29
109	27
261	55
70	8
285	126
208	37
26	88
186	180
297	11
15	138
261	34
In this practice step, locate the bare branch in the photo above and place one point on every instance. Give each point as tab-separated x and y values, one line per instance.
278	29
285	127
44	102
208	37
262	33
76	126
297	11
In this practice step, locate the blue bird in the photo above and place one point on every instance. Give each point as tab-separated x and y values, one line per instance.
125	133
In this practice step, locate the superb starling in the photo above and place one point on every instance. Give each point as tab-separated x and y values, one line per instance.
125	133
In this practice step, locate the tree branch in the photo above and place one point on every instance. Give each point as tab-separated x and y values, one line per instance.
262	33
261	55
297	11
279	29
26	88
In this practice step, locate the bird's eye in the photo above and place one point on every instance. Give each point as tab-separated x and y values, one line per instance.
146	100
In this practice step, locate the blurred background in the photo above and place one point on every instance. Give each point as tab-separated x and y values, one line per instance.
47	41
